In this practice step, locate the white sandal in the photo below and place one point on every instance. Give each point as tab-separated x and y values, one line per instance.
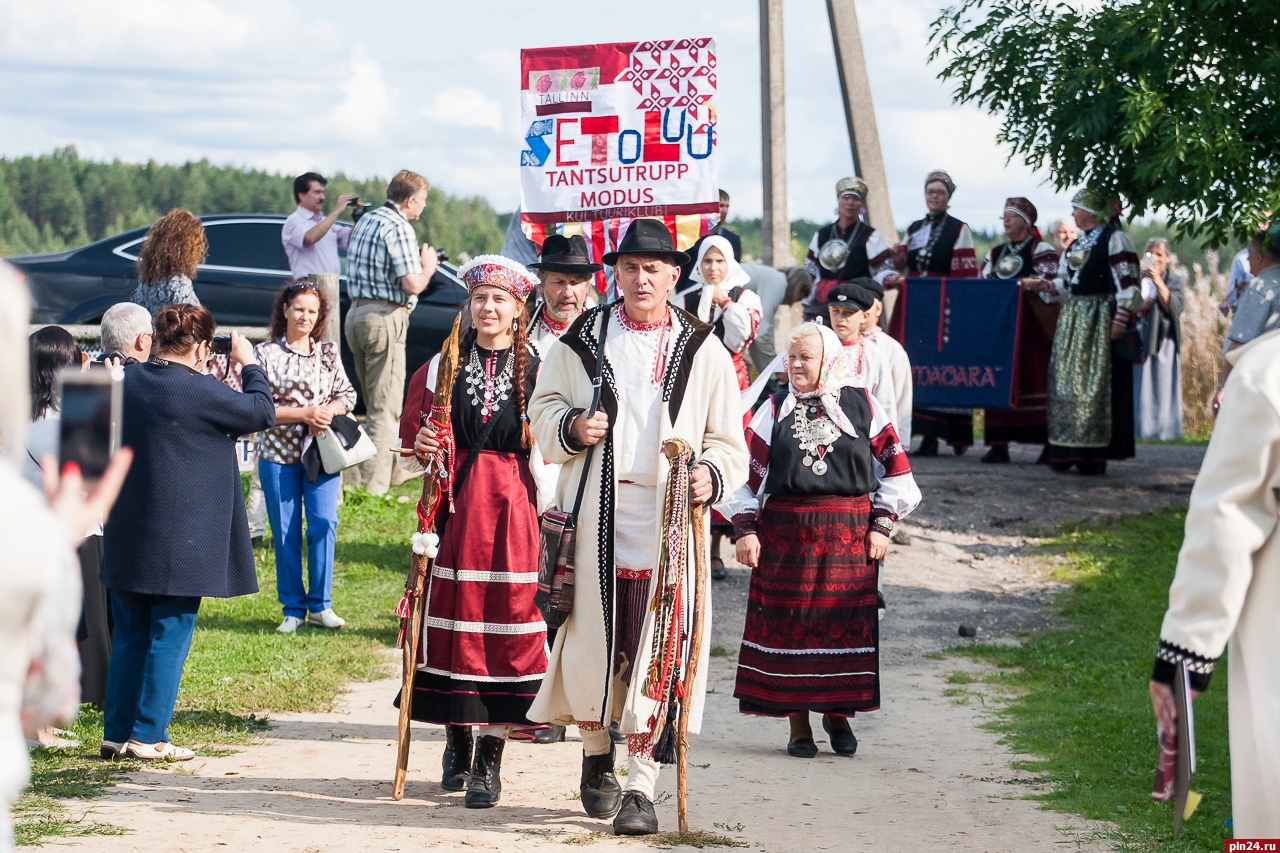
157	751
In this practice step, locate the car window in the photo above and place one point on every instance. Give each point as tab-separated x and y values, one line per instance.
443	291
252	245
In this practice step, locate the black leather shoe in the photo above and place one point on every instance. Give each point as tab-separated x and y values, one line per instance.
458	744
802	747
718	571
1060	467
997	453
1093	469
601	793
555	734
959	449
636	816
842	740
615	734
928	447
1043	458
485	787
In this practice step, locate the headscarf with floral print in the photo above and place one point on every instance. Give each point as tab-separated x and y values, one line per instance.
835	374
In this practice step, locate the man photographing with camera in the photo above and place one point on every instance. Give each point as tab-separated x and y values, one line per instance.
386	270
311	239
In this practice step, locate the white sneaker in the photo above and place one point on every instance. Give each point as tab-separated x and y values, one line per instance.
156	751
326	619
289	625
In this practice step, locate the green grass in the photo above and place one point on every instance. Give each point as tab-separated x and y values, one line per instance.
240	668
1079	693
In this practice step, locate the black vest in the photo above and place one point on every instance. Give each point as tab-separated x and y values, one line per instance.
856	265
939	263
1027	268
694	296
1095	276
850	468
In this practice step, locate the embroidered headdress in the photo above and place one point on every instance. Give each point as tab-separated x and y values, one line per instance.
857	186
497	271
1023	207
943	178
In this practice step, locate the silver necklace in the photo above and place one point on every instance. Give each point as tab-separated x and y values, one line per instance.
487	386
1010	263
815	434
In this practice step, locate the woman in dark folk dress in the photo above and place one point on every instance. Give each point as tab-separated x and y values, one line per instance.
484	642
829	477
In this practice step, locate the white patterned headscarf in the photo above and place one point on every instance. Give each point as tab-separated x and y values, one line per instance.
734	275
835	374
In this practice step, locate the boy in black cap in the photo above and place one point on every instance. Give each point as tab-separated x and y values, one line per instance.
899	362
848	304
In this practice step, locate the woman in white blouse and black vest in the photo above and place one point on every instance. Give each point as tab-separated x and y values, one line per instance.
310	387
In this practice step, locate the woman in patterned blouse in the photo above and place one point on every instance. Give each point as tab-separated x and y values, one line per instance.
175	247
310	388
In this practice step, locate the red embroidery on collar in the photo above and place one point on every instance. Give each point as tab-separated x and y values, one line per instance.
556	328
620	315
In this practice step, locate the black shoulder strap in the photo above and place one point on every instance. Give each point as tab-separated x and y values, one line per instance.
474	452
596	382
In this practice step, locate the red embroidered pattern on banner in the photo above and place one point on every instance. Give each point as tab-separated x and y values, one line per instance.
677	73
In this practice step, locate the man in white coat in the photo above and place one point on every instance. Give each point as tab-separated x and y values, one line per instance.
1227	586
665	376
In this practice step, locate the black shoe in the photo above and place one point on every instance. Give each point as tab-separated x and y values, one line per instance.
959	449
485	787
1043	458
928	447
615	735
555	734
718	571
256	542
601	793
1093	469
997	453
1060	467
636	815
842	740
458	744
802	747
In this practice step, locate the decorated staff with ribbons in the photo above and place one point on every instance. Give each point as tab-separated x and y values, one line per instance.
847	248
483	652
625	643
829	477
1091	369
724	301
1031	259
564	280
939	245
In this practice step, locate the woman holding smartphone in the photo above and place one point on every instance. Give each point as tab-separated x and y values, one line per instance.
179	531
310	388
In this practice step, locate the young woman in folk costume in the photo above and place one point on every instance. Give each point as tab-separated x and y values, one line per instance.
828	479
939	245
484	642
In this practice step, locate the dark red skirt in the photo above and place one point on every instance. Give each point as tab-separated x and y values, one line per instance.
486	643
811	641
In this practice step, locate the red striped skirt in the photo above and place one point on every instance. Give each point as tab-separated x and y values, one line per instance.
811	641
486	643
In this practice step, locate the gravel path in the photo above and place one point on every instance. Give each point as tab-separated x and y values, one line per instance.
927	775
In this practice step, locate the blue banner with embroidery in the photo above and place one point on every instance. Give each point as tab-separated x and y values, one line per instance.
961	335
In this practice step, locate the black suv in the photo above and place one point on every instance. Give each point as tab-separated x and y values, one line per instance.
237	282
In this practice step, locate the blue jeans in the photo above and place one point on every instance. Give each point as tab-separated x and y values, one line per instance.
149	646
287	491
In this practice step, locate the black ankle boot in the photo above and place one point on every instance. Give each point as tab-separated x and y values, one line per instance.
601	793
928	447
636	816
485	787
997	453
456	763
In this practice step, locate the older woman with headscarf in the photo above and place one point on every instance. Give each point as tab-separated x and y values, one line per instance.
939	245
724	301
828	479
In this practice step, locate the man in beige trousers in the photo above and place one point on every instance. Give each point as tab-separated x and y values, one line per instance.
386	270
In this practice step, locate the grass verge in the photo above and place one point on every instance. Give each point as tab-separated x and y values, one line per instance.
239	666
1079	693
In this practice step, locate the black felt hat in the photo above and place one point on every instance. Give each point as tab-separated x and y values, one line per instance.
565	254
849	295
647	237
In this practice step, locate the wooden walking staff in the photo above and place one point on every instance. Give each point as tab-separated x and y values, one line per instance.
700	579
436	486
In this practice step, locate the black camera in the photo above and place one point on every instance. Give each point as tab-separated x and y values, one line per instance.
220	345
442	255
358	208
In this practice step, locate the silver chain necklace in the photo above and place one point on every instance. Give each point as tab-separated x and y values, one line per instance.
487	386
815	436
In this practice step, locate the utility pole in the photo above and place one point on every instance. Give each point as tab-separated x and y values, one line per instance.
775	226
859	114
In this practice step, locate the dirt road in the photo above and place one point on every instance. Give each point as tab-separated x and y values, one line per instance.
926	776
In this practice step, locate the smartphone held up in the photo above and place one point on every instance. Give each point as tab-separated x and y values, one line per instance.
89	426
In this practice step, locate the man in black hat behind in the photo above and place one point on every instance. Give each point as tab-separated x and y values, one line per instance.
666	376
565	271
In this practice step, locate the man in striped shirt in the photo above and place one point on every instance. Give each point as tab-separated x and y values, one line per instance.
386	270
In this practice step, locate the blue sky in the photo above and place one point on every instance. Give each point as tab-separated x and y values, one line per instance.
371	87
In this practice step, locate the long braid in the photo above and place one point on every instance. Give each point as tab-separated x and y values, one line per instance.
519	371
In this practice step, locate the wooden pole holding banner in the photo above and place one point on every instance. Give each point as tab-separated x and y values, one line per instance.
775	226
327	282
860	115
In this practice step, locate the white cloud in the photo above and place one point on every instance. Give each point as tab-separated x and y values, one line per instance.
465	107
368	103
